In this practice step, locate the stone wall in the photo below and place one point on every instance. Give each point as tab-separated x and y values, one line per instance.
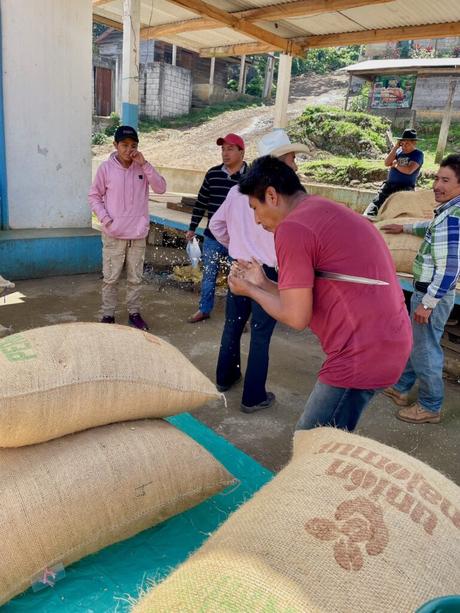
164	90
431	93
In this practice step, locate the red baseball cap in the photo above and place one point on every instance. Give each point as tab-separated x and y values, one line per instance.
231	139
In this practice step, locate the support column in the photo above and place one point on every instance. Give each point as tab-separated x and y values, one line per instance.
282	91
130	66
445	124
211	77
242	75
268	82
350	78
174	55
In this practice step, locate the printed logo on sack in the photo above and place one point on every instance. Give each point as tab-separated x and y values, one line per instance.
16	348
359	528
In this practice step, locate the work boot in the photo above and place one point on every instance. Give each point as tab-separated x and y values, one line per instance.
402	400
416	414
265	404
136	321
108	319
226	386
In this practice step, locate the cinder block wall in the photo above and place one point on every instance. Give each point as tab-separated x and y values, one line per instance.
164	90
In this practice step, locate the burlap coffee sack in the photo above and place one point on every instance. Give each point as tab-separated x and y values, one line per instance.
418	204
66	378
403	247
70	497
349	526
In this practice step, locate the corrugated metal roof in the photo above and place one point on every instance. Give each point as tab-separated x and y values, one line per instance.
378	65
374	16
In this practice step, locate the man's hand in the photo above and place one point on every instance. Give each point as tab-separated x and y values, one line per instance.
190	235
137	157
250	271
238	284
393	228
422	315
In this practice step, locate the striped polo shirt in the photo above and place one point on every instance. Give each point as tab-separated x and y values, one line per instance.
216	185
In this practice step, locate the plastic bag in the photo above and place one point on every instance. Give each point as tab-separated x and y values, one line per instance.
194	252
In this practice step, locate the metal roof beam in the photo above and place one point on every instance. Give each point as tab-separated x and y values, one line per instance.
228	20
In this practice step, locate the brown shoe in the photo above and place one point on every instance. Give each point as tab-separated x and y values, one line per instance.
402	400
416	414
198	316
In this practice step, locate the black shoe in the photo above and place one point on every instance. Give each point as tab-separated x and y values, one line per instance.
262	405
136	321
108	319
225	388
371	211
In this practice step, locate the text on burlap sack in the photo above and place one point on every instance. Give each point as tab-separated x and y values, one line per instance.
16	348
386	481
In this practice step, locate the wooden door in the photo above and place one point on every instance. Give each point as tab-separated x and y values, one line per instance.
103	91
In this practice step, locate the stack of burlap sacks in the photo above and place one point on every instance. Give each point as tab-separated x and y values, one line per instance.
92	484
349	525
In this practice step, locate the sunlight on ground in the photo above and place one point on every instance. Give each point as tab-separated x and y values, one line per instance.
14	298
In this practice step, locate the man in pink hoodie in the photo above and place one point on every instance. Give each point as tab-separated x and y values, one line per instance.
119	198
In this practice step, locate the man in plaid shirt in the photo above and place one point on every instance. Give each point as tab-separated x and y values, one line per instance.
436	271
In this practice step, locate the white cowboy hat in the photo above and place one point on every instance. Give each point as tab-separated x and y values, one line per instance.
278	143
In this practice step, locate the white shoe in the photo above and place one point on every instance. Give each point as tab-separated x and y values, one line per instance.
371	211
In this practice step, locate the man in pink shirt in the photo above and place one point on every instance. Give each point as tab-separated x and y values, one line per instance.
234	226
360	319
119	198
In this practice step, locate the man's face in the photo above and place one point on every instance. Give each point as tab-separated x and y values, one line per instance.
232	155
267	213
446	185
289	159
125	149
408	145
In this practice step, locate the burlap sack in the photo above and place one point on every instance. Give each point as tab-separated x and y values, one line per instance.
403	247
66	378
418	204
349	526
70	497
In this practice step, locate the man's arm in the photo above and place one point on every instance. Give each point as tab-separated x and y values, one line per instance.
406	170
292	307
96	197
218	224
392	155
199	209
445	250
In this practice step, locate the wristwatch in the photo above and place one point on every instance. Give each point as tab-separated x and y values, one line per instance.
426	307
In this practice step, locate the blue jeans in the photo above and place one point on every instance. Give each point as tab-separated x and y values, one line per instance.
213	253
427	358
237	312
340	407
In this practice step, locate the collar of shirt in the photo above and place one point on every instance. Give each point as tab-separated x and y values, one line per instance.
239	172
446	205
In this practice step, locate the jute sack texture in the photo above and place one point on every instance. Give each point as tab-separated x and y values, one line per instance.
349	525
62	379
403	247
70	497
418	204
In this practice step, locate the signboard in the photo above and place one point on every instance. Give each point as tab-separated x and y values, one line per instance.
393	92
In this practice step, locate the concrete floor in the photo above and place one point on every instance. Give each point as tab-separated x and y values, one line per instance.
295	358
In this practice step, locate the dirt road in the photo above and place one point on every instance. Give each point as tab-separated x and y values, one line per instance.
196	147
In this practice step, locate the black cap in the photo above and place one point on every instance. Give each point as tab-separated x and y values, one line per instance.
408	135
123	132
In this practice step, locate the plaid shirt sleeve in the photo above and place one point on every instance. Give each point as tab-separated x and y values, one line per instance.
445	251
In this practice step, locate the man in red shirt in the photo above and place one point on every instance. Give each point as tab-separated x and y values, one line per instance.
360	319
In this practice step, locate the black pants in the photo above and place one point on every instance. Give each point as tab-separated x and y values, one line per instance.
387	189
237	312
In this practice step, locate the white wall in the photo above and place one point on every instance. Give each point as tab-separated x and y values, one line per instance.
46	46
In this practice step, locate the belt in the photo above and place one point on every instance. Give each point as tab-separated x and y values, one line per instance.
421	287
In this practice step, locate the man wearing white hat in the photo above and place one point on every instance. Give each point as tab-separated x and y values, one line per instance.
234	226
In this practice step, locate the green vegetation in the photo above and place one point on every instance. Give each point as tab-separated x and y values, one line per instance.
198	116
114	122
341	132
322	61
99	138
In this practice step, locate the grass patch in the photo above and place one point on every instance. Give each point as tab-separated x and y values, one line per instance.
198	116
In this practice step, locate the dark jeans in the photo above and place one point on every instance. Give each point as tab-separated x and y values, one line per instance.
237	312
387	189
339	407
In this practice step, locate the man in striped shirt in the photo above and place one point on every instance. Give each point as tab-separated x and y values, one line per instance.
217	183
436	271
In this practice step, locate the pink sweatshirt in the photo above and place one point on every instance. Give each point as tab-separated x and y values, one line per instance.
121	196
234	225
